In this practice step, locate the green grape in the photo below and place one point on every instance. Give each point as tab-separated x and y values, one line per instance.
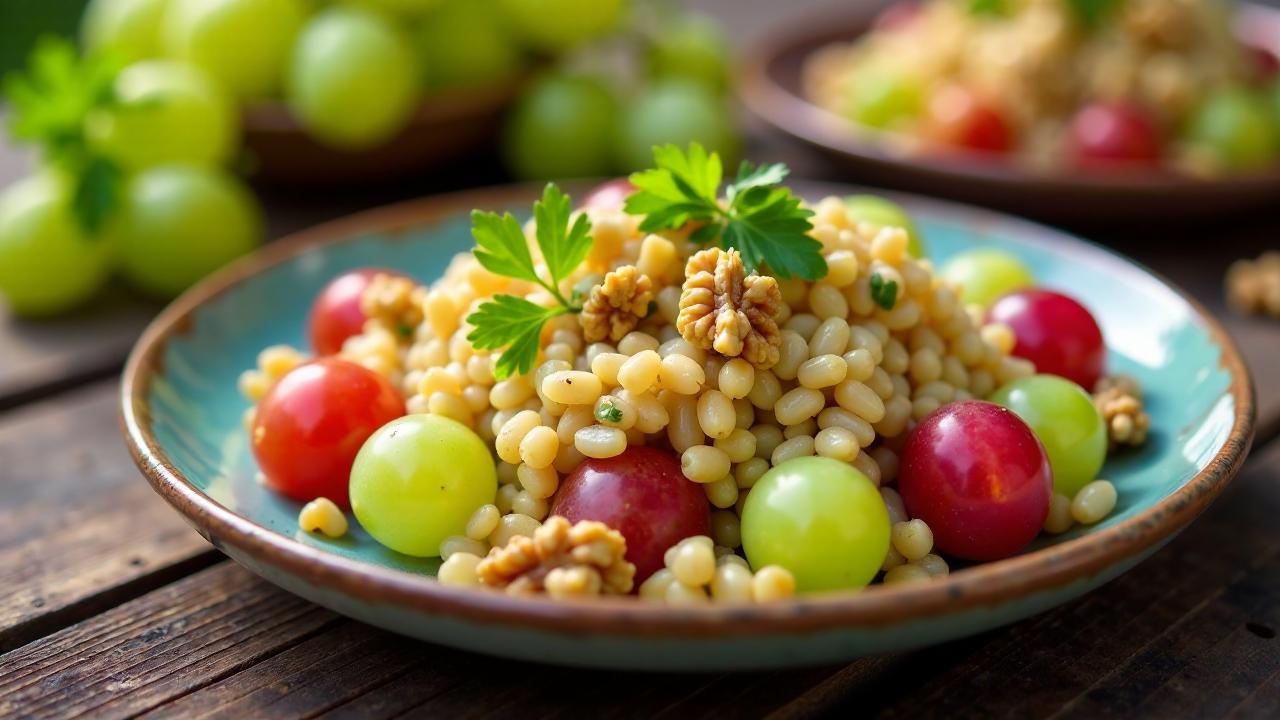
241	44
985	275
182	222
128	29
562	127
47	263
692	47
678	112
165	112
401	8
1063	417
352	79
465	44
883	212
1236	127
557	25
821	519
885	101
418	480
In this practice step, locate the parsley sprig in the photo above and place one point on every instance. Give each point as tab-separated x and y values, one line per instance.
760	218
51	102
515	323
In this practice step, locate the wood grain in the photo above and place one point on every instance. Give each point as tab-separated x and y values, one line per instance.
80	530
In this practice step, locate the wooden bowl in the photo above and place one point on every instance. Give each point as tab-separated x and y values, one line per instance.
445	127
769	82
182	421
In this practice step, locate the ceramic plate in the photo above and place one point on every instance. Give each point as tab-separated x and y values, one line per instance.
769	81
182	419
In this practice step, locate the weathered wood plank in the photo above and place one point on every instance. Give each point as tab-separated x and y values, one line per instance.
163	645
80	530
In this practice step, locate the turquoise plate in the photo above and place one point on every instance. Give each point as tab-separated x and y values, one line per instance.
182	420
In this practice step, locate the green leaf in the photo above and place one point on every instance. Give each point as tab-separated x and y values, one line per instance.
884	293
563	247
606	411
770	228
512	323
681	188
501	246
750	176
97	194
989	8
52	98
1093	13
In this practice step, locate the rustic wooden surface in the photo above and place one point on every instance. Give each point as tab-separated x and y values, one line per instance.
110	606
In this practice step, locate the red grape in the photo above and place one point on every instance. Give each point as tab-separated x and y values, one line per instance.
1104	133
1263	63
977	475
1055	332
611	195
642	494
310	425
897	16
336	314
957	117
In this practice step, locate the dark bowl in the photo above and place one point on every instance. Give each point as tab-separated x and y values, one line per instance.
446	126
769	81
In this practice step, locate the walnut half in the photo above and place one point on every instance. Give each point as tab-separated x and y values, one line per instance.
725	309
562	560
616	305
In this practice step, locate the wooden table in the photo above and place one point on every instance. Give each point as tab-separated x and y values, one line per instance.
110	606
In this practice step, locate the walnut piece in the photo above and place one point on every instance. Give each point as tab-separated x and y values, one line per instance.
562	560
723	308
616	305
395	302
1119	399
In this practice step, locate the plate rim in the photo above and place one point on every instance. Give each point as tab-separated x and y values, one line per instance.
974	588
798	117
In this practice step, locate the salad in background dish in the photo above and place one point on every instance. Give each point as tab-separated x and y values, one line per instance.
695	387
1060	85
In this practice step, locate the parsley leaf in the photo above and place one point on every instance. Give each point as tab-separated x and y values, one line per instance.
606	411
884	292
51	100
501	246
760	219
97	193
563	247
513	323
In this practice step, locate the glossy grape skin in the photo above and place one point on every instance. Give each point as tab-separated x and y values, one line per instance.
885	101
1055	332
563	126
1108	133
693	47
642	494
819	518
958	117
675	112
127	29
978	477
1236	128
336	313
242	44
1063	417
557	25
47	263
418	480
609	195
465	44
883	212
986	274
166	112
311	423
182	222
352	79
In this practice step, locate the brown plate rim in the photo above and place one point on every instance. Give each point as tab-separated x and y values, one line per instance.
1049	568
792	113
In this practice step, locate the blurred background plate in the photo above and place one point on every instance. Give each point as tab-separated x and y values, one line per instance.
769	83
183	422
